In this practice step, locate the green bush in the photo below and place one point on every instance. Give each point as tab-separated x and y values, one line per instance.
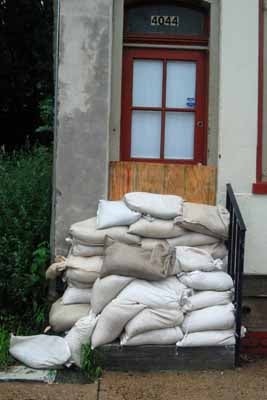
91	362
25	207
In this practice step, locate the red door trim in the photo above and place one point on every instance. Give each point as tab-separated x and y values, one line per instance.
200	143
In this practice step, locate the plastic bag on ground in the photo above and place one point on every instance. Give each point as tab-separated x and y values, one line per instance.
87	232
154	318
156	228
63	317
40	351
157	205
79	335
74	295
210	318
114	213
199	280
206	298
157	336
192	259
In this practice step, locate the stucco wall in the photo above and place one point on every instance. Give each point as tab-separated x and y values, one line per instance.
83	87
238	122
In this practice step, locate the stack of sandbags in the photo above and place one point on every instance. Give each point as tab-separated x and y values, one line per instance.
209	314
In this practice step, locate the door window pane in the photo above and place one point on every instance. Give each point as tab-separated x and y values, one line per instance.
181	84
147	83
179	135
146	126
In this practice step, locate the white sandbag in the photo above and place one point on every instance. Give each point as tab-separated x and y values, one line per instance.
112	321
157	205
83	269
72	283
194	259
87	232
56	269
149	244
206	219
192	239
210	318
63	317
154	318
157	336
216	250
157	294
156	228
79	335
106	289
199	280
40	351
206	298
74	295
114	213
208	338
81	249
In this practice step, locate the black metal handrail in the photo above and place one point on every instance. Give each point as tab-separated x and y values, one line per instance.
236	249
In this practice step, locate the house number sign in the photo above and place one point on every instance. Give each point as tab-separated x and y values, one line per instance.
164	20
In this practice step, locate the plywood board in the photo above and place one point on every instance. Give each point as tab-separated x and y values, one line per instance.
195	183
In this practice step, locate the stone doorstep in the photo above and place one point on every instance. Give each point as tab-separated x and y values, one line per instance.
21	373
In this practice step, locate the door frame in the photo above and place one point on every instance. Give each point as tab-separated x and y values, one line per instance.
201	110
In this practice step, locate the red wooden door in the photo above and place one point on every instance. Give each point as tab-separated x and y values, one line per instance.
164	98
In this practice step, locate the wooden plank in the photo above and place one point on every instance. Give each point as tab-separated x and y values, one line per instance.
166	357
196	183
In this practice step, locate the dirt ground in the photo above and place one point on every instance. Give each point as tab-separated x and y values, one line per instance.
246	383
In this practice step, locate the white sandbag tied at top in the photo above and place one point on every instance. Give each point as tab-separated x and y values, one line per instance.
156	336
206	298
40	351
192	259
216	250
114	213
79	335
157	205
63	317
154	318
210	318
206	219
156	228
87	232
199	280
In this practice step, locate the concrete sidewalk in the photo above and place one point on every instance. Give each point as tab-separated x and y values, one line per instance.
246	383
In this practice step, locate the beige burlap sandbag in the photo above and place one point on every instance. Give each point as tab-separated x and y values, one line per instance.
63	317
121	259
206	219
74	295
156	228
149	244
87	232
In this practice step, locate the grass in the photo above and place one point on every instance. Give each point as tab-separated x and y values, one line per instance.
5	358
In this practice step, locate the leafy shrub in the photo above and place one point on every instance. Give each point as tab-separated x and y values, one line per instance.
91	363
25	207
5	358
